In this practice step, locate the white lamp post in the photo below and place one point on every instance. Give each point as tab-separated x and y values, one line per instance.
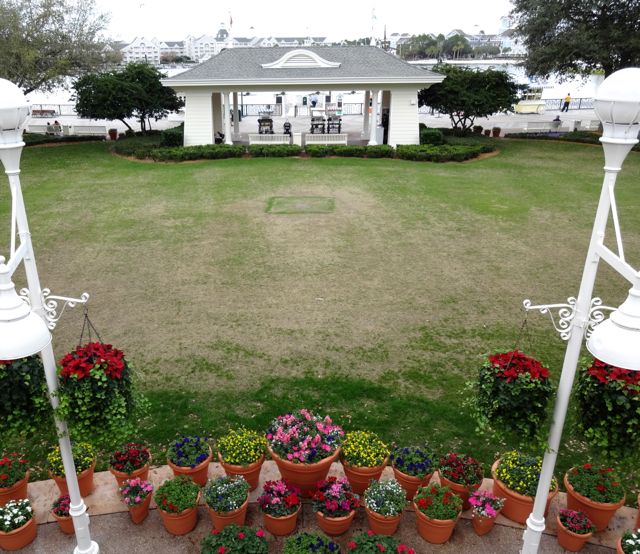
617	340
25	320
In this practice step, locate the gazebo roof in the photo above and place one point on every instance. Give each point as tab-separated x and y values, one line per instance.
315	66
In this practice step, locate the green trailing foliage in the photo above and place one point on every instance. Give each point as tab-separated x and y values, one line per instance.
24	404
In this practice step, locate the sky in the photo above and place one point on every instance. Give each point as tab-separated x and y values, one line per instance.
336	19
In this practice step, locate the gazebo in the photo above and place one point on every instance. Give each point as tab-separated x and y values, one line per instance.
211	89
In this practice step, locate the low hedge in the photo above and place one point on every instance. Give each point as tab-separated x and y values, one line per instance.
350	151
441	153
431	136
33	139
274	150
204	152
172	137
583	137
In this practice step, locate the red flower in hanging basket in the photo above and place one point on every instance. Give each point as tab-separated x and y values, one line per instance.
93	356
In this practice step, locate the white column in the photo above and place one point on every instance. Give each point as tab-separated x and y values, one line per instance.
373	125
365	109
236	119
78	510
227	118
216	108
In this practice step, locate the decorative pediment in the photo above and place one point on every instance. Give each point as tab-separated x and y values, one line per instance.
300	59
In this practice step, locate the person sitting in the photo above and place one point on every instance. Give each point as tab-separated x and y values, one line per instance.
49	129
219	137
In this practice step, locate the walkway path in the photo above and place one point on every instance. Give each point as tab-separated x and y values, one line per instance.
112	529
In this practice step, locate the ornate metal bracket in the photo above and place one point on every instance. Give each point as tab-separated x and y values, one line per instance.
50	302
566	314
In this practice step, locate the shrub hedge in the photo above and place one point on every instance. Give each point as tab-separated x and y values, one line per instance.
172	137
441	153
33	139
274	150
204	152
431	136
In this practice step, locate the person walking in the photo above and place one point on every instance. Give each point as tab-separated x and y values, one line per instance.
567	101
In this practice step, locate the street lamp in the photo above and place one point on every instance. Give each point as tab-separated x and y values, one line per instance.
615	341
26	319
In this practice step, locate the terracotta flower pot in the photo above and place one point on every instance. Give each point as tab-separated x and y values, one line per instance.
182	523
600	513
573	542
198	473
251	473
304	476
281	526
334	526
435	531
121	476
382	525
619	546
482	525
85	481
17	491
410	483
517	507
463	491
638	514
359	477
140	512
20	537
65	523
221	519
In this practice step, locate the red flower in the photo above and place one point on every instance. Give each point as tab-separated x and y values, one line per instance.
370	533
4	476
381	548
222	550
351	545
260	533
215	532
587	466
241	535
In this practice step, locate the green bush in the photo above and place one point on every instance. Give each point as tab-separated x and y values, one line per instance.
317	150
274	150
380	151
203	152
33	139
431	136
441	153
138	147
172	137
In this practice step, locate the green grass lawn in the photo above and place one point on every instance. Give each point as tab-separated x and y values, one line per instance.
375	312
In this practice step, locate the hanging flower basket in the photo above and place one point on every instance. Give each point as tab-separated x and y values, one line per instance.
96	393
512	392
608	406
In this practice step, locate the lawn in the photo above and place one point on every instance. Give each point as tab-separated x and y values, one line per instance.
374	309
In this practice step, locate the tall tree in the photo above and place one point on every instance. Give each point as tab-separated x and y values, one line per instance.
466	94
578	36
135	91
44	41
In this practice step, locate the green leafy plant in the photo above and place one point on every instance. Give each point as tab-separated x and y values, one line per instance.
241	446
62	505
14	514
576	522
461	469
363	449
418	461
96	393
84	455
600	484
279	498
226	493
24	404
521	472
609	407
438	502
631	542
310	543
13	468
512	393
177	494
386	497
235	539
188	451
369	543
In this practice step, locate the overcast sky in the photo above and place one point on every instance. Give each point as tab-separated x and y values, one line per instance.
336	19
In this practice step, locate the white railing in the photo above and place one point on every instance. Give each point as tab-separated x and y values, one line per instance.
311	138
276	138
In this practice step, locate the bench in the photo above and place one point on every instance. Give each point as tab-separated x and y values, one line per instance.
325	138
42	113
39	129
276	138
88	130
547	127
588	125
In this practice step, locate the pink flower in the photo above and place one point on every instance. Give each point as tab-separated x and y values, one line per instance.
260	533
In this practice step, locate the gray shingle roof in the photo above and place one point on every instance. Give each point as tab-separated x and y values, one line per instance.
358	64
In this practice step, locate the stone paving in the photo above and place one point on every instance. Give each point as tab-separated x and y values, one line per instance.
112	529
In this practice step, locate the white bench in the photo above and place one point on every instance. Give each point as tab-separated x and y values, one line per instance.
276	138
39	129
312	138
88	130
547	127
588	125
